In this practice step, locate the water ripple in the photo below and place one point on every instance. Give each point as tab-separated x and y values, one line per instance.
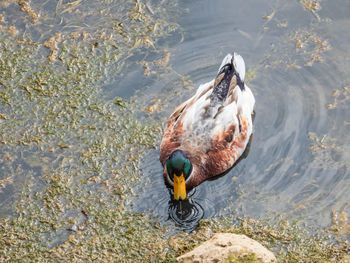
298	163
186	214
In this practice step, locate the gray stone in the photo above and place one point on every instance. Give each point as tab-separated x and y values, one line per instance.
223	245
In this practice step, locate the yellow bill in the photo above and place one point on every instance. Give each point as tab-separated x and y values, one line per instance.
179	187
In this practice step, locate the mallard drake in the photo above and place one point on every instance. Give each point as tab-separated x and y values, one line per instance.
208	133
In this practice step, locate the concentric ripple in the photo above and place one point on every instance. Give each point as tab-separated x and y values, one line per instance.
298	163
186	214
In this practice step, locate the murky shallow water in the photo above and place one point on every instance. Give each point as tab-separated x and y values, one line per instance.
298	163
73	147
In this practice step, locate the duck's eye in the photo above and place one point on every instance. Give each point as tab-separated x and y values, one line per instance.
170	170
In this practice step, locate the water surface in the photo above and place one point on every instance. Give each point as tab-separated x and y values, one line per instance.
86	89
298	69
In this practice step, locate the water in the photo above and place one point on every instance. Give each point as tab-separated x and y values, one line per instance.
298	69
298	163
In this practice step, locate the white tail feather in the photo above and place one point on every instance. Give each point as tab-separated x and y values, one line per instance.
238	63
226	60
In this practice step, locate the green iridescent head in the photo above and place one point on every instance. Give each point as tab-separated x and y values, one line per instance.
179	169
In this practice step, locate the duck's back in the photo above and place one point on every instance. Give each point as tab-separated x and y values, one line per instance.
216	122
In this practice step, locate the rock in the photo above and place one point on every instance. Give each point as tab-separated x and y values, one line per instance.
226	245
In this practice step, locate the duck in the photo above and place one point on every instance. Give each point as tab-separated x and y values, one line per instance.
207	134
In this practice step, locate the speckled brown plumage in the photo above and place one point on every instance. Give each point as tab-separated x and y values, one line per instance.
213	133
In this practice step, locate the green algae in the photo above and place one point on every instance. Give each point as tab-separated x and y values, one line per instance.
250	258
69	154
290	242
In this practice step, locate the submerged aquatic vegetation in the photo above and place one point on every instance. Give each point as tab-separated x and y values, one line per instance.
340	98
290	242
70	153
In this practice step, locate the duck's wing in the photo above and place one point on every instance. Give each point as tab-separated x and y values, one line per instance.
217	104
175	133
213	119
232	104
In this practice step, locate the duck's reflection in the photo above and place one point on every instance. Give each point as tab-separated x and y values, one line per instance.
186	213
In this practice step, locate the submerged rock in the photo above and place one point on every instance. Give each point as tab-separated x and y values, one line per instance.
228	246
